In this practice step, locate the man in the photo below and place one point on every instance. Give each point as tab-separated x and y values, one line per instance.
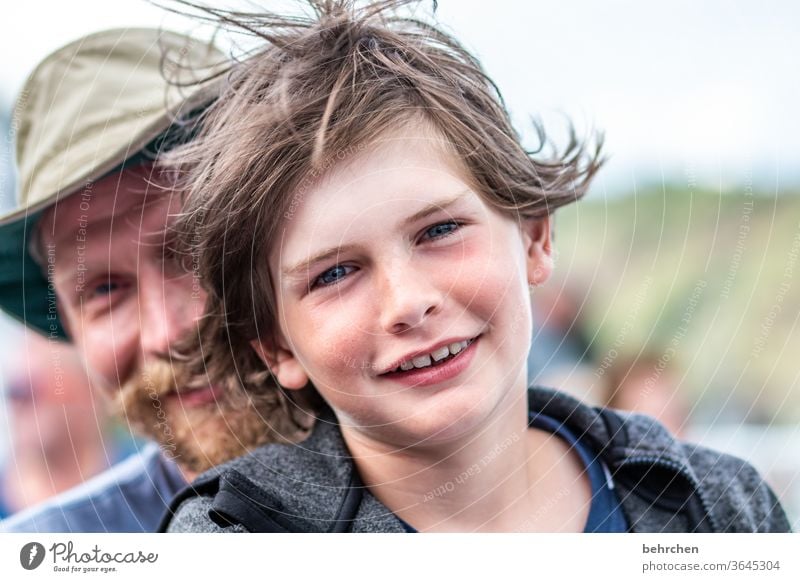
86	257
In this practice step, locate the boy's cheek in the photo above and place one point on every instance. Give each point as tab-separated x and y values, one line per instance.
499	282
336	354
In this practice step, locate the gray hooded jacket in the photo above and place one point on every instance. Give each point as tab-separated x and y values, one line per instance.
664	485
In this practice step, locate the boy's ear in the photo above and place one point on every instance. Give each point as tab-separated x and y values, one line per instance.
538	249
282	362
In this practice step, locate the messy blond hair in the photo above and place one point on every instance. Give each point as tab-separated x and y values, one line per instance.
324	84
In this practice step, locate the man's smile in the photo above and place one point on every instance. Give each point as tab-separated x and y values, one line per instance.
197	396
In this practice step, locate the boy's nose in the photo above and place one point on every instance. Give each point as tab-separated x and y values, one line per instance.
407	299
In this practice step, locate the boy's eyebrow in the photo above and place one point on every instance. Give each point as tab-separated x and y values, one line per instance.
431	208
302	267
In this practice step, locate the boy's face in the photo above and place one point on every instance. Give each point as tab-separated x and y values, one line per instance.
125	301
404	281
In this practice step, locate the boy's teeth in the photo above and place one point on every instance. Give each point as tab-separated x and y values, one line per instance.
441	353
437	356
422	361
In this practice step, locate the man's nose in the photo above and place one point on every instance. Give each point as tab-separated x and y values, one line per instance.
166	311
407	297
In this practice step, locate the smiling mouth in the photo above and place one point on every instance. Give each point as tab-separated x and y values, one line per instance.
433	360
198	396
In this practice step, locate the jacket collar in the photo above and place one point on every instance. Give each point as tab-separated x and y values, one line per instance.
651	467
313	486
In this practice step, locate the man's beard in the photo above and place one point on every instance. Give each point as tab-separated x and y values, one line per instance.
202	436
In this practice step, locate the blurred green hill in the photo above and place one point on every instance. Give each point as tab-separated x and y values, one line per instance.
709	282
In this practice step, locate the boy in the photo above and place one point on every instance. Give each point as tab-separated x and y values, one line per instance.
388	228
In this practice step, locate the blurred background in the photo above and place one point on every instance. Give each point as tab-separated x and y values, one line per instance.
677	282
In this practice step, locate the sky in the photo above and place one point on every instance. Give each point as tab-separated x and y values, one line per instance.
706	87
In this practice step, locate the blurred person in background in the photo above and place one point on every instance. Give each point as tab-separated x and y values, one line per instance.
86	257
58	432
561	354
648	385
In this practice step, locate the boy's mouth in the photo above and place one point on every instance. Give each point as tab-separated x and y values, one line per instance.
433	359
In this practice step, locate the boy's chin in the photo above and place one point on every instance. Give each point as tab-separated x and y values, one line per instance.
432	428
448	430
465	415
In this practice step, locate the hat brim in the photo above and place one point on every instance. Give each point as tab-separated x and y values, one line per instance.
25	292
85	111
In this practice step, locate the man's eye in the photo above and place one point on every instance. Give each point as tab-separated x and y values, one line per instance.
442	229
104	289
331	277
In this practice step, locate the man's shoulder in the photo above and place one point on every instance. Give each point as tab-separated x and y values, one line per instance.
128	497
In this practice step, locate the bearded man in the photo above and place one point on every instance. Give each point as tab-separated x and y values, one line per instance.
86	257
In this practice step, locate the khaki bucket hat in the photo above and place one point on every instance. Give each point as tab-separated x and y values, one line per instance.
88	109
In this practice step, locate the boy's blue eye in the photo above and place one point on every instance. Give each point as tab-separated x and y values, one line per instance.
337	273
331	276
443	229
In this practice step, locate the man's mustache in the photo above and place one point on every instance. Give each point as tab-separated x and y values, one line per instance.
153	381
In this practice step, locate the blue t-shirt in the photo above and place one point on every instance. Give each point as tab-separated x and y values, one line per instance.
605	513
129	497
